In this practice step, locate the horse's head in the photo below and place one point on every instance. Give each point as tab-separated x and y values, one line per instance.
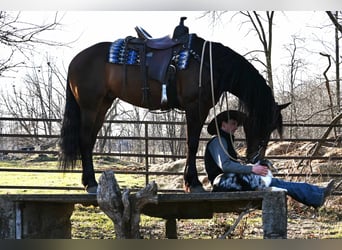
257	139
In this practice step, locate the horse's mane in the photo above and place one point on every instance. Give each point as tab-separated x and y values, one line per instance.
233	73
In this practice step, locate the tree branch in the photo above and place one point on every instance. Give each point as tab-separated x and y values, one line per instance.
236	223
334	21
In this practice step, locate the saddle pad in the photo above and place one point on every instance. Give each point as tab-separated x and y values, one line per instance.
119	54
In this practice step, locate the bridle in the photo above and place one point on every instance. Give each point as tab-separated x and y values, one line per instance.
256	156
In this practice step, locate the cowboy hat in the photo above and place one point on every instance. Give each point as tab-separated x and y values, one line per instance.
225	116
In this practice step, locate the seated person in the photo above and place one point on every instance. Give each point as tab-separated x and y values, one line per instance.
227	174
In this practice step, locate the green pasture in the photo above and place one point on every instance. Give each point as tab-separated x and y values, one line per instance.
57	179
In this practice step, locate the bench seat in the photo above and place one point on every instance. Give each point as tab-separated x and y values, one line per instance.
33	215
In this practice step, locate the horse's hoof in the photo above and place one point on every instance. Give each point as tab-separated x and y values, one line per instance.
91	190
197	189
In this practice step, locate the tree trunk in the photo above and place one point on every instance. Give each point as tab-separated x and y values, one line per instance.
123	208
337	65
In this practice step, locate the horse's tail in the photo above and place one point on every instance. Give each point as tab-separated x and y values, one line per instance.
69	138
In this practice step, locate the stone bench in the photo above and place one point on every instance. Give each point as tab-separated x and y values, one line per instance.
46	216
39	216
204	205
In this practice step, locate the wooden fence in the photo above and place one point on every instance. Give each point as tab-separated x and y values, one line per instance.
146	155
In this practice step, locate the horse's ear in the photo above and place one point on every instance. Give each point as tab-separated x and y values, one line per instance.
280	122
282	106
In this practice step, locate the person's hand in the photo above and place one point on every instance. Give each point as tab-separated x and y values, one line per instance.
260	170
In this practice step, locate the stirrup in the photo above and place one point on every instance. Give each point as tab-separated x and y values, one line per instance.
164	95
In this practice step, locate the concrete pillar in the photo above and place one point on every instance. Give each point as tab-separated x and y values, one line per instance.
274	215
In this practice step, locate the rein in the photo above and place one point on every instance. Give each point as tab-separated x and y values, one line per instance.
201	64
212	93
257	154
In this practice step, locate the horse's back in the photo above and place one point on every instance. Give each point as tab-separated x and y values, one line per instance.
96	52
87	67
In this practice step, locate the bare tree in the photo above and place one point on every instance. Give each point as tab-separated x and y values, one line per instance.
337	65
171	130
42	97
262	25
327	85
295	65
107	129
19	37
335	20
137	114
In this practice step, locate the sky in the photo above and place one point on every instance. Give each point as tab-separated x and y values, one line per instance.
171	5
87	27
90	27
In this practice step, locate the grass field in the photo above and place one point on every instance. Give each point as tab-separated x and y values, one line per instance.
58	179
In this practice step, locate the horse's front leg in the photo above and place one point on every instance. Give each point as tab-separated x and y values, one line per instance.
191	181
195	123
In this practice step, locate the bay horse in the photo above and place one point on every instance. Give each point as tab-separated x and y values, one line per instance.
93	84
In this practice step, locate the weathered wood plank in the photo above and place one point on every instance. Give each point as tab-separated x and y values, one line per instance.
55	198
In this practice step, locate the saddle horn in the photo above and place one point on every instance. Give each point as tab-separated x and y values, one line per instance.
181	30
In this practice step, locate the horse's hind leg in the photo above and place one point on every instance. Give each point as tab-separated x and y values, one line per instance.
91	124
87	142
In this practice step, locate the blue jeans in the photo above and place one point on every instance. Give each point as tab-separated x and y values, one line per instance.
305	193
